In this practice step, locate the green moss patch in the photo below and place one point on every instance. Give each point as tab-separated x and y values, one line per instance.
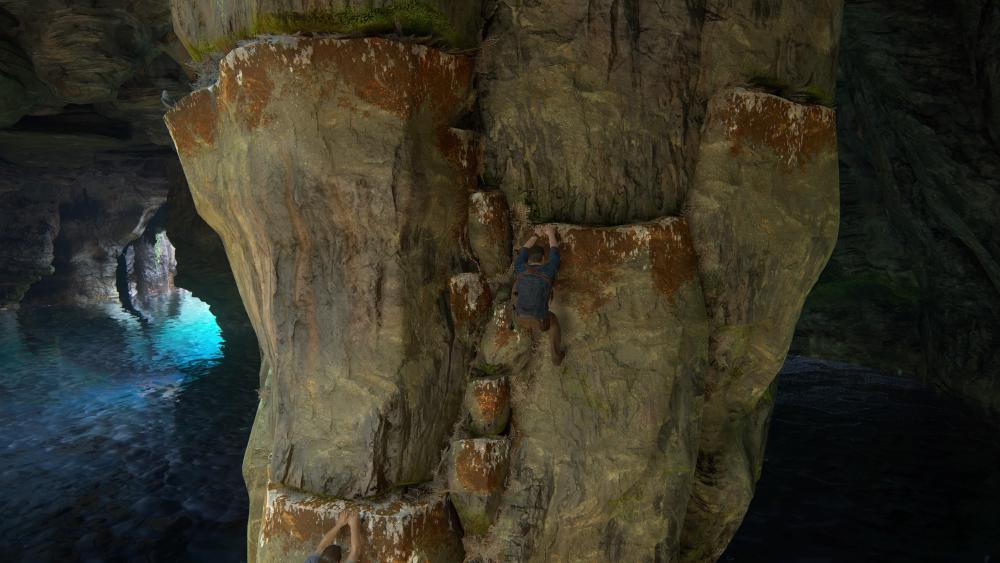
809	94
418	18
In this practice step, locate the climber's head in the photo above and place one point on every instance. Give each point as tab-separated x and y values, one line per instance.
331	554
536	254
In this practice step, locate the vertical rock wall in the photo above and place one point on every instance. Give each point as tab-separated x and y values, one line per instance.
764	216
332	173
344	196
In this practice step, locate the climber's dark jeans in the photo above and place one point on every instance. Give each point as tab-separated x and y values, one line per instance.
549	324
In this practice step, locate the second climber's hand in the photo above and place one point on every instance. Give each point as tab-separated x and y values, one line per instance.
550	231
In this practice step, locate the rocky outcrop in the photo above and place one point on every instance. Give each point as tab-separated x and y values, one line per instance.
764	216
116	59
592	110
914	283
375	267
340	196
396	529
147	266
604	446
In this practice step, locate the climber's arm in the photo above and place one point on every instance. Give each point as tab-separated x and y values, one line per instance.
356	548
522	255
550	232
331	536
552	265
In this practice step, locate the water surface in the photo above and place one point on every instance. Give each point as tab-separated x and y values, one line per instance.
863	467
122	440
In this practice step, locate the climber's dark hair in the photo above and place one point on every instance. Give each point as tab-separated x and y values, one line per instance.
331	554
536	254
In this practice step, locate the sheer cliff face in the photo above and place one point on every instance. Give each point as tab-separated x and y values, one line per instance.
914	284
371	234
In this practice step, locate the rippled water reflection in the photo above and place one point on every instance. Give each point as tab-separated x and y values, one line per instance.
122	440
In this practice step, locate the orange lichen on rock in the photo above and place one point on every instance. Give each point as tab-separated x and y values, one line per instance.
480	465
489	231
671	252
488	402
592	258
464	149
193	121
401	78
395	76
395	529
795	132
245	85
470	300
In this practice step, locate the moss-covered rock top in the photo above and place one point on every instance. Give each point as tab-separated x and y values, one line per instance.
211	31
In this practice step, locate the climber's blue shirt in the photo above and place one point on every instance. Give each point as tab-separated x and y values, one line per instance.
314	558
534	288
549	268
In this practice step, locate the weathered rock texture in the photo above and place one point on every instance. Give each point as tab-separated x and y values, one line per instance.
207	29
83	155
147	266
369	257
331	172
764	215
477	472
69	226
605	445
396	529
592	110
914	283
115	57
488	402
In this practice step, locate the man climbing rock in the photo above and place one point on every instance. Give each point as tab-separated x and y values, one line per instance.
329	552
533	289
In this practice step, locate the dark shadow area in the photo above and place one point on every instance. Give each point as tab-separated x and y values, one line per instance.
864	467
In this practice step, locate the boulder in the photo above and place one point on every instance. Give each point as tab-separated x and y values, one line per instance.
604	446
398	528
489	232
333	175
476	474
487	400
470	300
764	216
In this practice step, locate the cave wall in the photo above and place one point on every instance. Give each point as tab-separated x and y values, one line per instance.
368	191
69	226
914	283
86	160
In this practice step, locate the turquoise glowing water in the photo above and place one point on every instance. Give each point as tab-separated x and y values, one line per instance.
122	440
